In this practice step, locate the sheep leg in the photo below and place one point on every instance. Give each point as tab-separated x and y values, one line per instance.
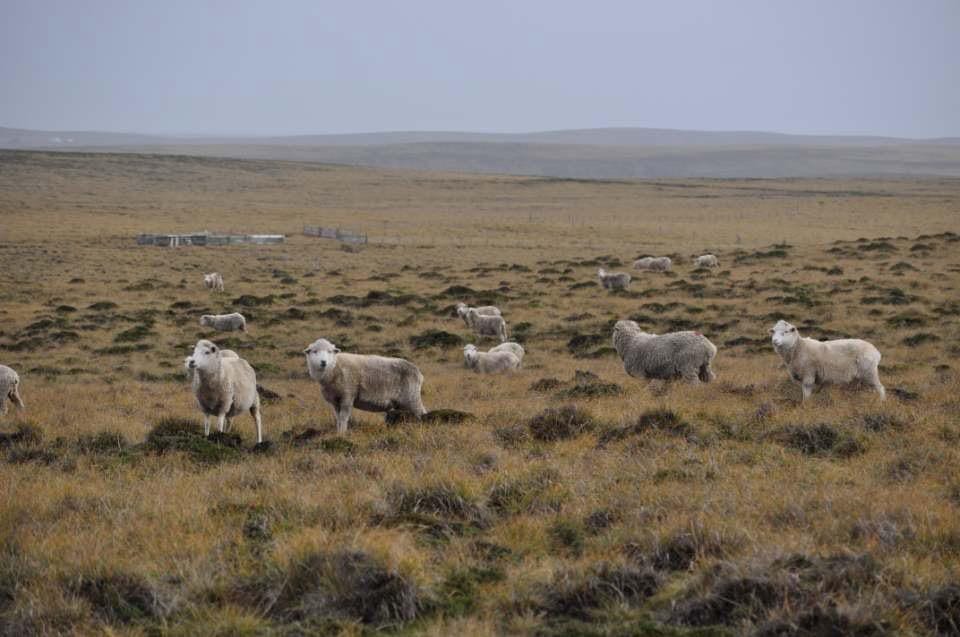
221	422
255	412
3	405
15	397
206	425
807	386
872	378
343	417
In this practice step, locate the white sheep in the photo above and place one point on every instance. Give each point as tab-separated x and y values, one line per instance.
224	385
492	362
707	261
370	383
516	348
483	325
613	280
686	355
483	310
814	363
653	264
213	281
224	322
225	353
10	388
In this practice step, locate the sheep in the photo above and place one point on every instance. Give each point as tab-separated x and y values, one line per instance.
516	348
224	385
10	388
225	353
613	280
707	261
492	362
484	310
224	322
686	355
483	325
213	281
370	383
814	363
653	264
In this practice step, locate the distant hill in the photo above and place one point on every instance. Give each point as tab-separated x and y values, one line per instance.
606	153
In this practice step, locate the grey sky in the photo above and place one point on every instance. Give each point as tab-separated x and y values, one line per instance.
296	66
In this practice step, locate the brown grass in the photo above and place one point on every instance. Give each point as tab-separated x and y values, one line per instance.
669	499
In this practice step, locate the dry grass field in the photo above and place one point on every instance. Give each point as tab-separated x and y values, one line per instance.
571	499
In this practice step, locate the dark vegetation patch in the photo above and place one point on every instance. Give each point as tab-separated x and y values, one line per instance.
435	338
545	384
268	396
560	423
250	300
436	416
891	296
904	394
459	592
920	338
103	442
822	439
134	334
26	434
102	306
124	349
579	595
580	345
663	420
521	331
440	510
938	608
877	246
118	598
907	319
65	309
186	436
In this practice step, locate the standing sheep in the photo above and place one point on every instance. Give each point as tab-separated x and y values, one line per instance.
492	362
9	388
224	322
213	281
814	363
613	280
707	261
370	383
516	348
483	310
483	325
686	355
225	386
653	264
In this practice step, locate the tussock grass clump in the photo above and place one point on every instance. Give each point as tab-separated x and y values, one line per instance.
184	435
435	338
251	300
939	608
539	491
345	585
134	334
560	423
679	550
103	442
458	594
920	338
26	434
588	385
823	439
441	510
118	598
664	420
545	384
579	595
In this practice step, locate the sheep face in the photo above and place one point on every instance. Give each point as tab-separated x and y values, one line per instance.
321	357
461	309
205	356
784	336
206	320
470	356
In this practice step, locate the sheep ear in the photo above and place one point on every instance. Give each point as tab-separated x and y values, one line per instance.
770	330
336	350
213	348
306	350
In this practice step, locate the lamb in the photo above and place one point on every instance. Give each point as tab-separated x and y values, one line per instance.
10	388
613	280
483	310
653	264
707	261
370	383
686	355
483	325
492	362
213	281
814	363
224	385
224	322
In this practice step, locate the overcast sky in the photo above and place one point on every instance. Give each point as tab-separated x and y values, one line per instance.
879	67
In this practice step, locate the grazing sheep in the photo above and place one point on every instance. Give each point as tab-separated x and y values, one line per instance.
225	386
9	388
686	355
213	281
492	362
516	348
707	261
814	363
483	310
224	322
613	280
370	383
653	264
483	325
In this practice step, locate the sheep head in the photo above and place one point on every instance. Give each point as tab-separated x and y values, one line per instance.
321	357
784	336
205	357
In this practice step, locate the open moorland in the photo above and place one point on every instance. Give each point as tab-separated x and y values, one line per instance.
564	499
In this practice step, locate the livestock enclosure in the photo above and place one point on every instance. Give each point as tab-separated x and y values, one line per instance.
566	498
